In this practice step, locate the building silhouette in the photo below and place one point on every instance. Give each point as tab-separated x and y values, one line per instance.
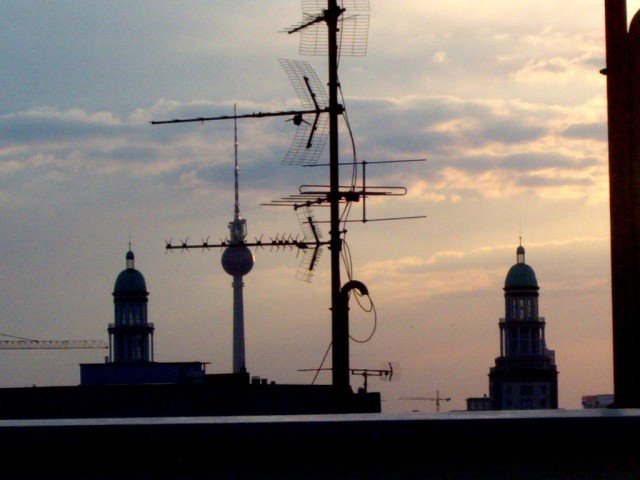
478	403
130	336
130	383
131	358
601	400
525	375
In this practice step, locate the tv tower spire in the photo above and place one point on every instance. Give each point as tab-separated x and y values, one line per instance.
236	217
237	261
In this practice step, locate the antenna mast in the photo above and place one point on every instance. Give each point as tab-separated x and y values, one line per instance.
339	327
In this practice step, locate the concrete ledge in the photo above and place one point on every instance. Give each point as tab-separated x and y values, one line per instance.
537	444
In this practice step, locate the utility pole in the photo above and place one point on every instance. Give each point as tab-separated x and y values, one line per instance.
623	107
339	327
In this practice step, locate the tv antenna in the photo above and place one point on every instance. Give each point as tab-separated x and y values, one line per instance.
237	253
22	343
365	373
345	23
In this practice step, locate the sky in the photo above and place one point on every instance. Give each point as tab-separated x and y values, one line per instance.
505	103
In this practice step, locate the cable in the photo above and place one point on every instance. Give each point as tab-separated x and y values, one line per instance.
354	169
375	324
367	310
354	172
345	253
321	363
345	213
341	30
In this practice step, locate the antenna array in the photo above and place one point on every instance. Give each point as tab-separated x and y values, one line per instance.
353	27
332	28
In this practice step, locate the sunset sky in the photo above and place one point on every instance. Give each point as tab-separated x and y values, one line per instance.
503	99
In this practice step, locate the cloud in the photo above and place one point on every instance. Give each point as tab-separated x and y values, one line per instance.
481	269
102	144
589	131
439	57
489	147
561	56
47	125
412	277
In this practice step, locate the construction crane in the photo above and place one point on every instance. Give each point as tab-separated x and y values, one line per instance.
21	343
437	399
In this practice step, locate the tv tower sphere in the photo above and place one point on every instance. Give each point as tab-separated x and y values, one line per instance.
237	260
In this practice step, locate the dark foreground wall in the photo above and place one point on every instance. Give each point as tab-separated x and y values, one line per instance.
599	444
180	400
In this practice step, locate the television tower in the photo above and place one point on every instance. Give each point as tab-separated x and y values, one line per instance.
237	261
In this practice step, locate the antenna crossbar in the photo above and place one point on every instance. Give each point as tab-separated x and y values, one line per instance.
284	113
51	344
369	163
284	241
353	194
297	28
322	197
384	219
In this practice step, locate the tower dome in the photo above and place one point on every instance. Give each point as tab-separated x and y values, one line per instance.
521	275
130	280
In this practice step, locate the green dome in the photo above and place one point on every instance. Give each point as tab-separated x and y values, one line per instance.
130	281
521	275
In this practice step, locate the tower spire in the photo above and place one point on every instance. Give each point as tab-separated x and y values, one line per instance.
237	227
235	148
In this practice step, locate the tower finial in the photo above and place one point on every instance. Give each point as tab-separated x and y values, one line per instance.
520	231
520	249
520	253
130	257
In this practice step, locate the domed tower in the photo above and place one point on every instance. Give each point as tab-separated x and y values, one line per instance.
237	261
525	375
131	336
